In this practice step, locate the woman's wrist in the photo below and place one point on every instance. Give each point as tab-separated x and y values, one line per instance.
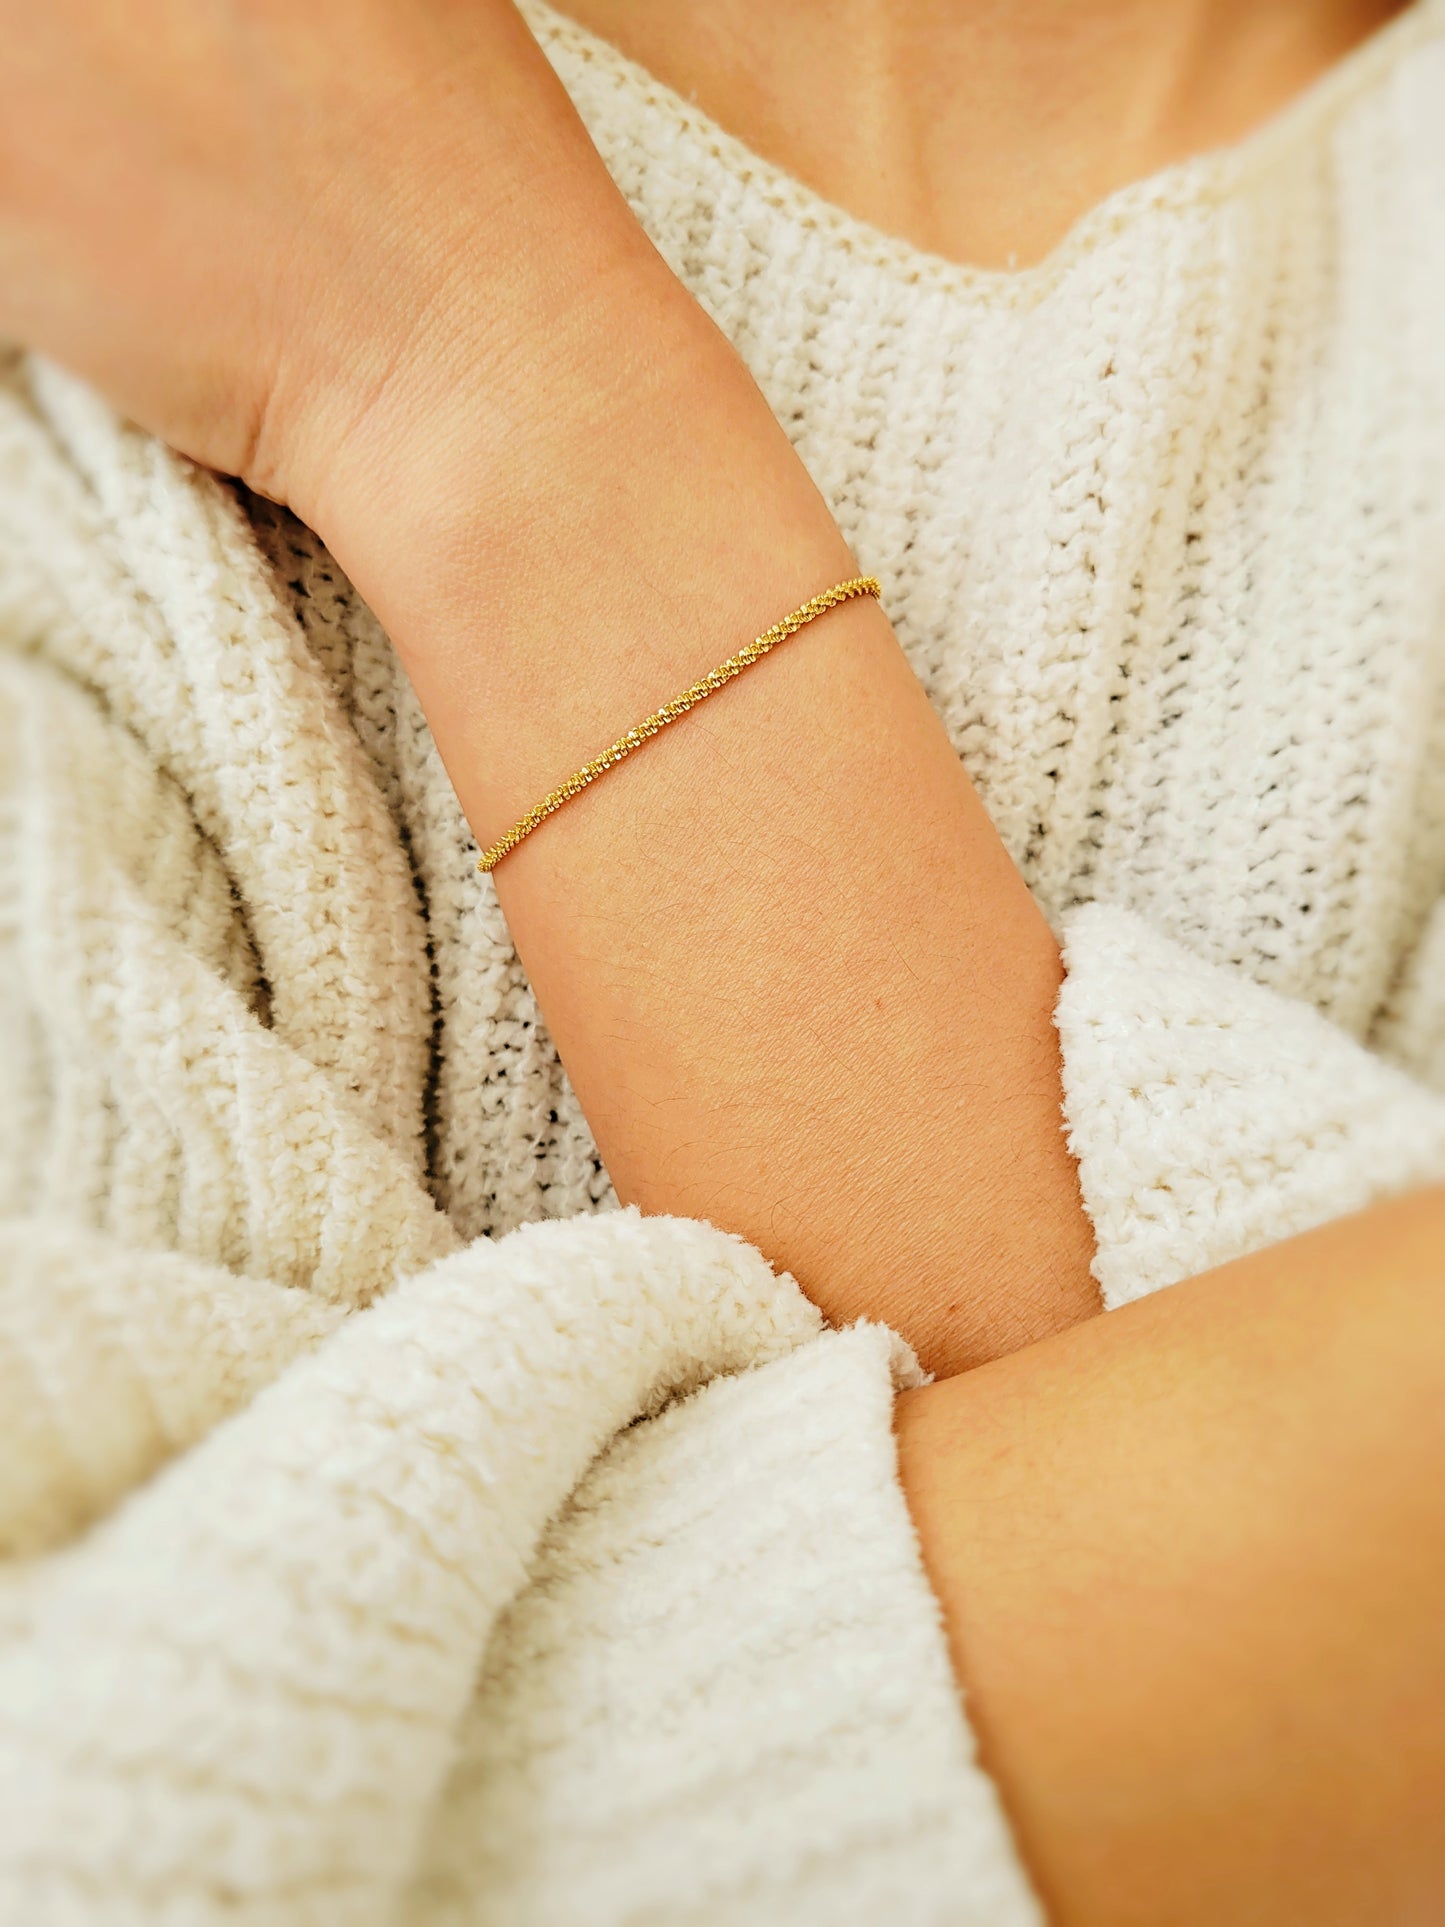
558	546
467	416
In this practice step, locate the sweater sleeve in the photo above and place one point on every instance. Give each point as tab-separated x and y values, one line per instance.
1211	1116
715	1686
768	1730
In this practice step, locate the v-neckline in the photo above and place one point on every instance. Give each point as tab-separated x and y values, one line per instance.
1204	178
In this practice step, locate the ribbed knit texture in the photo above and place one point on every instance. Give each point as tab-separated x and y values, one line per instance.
564	1577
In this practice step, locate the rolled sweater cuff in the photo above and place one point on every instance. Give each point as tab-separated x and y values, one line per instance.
1212	1117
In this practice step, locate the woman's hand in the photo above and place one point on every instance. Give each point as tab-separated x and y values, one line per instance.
262	226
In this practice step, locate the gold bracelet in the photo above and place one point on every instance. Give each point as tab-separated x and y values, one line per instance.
689	699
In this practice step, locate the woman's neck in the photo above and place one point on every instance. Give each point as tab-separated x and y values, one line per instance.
983	129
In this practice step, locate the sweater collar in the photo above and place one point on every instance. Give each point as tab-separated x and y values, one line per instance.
628	97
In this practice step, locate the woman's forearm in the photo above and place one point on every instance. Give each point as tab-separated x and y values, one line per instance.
1190	1565
797	984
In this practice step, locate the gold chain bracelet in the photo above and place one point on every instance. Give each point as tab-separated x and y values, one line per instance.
689	699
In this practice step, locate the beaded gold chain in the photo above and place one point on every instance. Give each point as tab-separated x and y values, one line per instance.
697	692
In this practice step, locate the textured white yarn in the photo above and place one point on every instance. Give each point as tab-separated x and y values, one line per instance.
406	1618
1211	1117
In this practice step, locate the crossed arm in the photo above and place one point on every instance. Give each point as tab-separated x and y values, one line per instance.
794	978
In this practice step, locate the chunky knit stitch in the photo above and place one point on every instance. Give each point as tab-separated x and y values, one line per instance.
363	1563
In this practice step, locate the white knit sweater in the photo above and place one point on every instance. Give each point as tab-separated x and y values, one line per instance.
340	1585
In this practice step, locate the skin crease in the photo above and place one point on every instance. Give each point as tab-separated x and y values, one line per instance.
411	303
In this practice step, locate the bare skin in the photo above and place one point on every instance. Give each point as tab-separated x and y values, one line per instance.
411	303
1192	1559
983	130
